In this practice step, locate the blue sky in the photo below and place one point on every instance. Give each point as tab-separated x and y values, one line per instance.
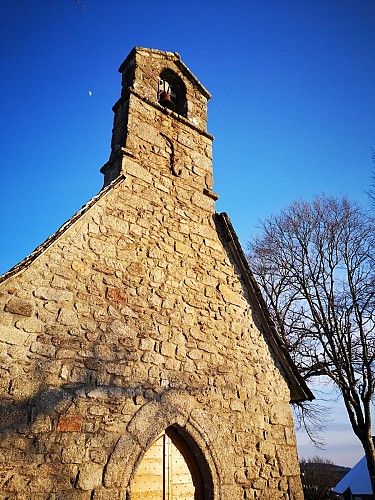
293	109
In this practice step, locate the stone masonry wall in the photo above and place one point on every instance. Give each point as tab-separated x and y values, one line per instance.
117	313
136	318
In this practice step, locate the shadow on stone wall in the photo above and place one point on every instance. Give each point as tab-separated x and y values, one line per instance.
81	440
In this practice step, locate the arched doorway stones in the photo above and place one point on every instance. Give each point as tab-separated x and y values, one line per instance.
176	409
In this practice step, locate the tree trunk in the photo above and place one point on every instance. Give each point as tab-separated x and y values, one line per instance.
368	446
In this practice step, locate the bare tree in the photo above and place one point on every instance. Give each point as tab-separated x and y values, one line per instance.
319	476
315	263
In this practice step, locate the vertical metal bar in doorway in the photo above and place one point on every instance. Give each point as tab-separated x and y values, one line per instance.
167	469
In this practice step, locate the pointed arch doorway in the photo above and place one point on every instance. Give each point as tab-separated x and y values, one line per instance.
168	471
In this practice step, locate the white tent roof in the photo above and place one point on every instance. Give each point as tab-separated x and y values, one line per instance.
357	479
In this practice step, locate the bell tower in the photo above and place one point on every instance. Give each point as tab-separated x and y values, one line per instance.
160	125
147	362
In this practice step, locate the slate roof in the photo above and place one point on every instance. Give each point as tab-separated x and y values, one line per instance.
24	264
299	390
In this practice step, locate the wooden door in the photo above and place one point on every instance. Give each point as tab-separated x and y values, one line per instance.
163	474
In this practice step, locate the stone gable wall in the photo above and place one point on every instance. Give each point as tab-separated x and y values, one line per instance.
134	320
137	300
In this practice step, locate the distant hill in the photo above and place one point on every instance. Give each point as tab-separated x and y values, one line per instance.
341	470
320	477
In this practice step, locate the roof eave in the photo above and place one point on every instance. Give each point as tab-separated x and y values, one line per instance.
25	263
299	391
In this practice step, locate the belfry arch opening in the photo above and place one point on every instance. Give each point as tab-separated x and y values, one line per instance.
171	470
172	92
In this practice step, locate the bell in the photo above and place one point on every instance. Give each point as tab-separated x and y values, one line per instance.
166	101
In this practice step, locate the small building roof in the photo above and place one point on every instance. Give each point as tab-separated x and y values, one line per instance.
357	480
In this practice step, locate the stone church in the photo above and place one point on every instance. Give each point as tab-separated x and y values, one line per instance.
138	359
